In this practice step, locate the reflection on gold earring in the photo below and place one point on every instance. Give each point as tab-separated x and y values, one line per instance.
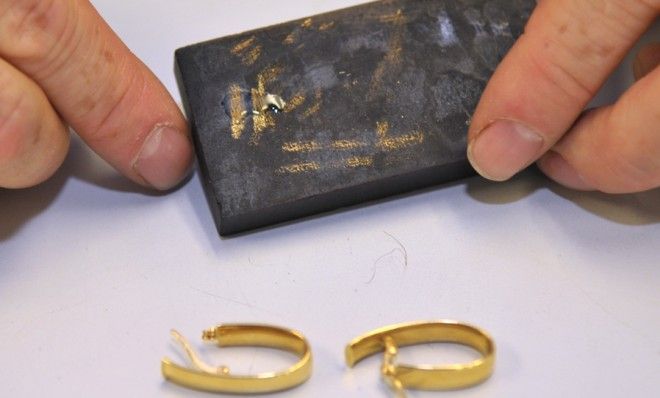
426	377
219	379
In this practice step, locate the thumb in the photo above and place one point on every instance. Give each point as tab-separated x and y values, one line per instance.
99	87
568	50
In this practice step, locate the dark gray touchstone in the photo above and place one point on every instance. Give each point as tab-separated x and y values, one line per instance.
341	108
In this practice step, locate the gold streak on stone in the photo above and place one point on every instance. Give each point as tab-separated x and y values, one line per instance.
237	111
295	101
382	128
404	141
395	143
307	23
242	46
327	25
316	107
346	145
262	120
393	18
302	146
394	50
298	168
360	161
312	146
252	56
268	75
291	38
248	50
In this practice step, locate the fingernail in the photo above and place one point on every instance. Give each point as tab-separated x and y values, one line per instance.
165	158
556	167
503	149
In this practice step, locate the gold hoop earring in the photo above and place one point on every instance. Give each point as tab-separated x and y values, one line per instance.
219	379
426	377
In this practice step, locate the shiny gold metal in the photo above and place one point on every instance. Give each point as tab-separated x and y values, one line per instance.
425	377
219	379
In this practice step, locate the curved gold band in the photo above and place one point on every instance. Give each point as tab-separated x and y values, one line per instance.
426	377
219	379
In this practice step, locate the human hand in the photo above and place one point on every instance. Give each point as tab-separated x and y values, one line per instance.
60	64
529	110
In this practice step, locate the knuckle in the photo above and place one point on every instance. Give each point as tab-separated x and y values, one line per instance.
34	29
109	107
564	77
575	45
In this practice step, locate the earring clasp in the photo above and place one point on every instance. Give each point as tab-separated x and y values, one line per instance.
203	376
425	377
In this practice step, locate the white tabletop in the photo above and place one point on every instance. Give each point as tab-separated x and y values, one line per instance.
94	271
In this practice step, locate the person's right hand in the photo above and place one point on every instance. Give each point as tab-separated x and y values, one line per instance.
60	65
530	110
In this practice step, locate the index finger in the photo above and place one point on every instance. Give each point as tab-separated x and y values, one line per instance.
99	87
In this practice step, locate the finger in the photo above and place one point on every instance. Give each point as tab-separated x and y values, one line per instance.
614	149
568	50
33	139
107	95
647	59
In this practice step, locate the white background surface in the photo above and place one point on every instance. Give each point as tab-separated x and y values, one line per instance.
94	272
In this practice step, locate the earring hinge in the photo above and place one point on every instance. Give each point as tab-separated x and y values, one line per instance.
204	377
194	358
389	367
400	376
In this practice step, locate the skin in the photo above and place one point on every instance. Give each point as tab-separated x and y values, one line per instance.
61	65
532	108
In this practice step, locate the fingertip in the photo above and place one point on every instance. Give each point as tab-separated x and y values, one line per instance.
558	169
165	158
503	149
